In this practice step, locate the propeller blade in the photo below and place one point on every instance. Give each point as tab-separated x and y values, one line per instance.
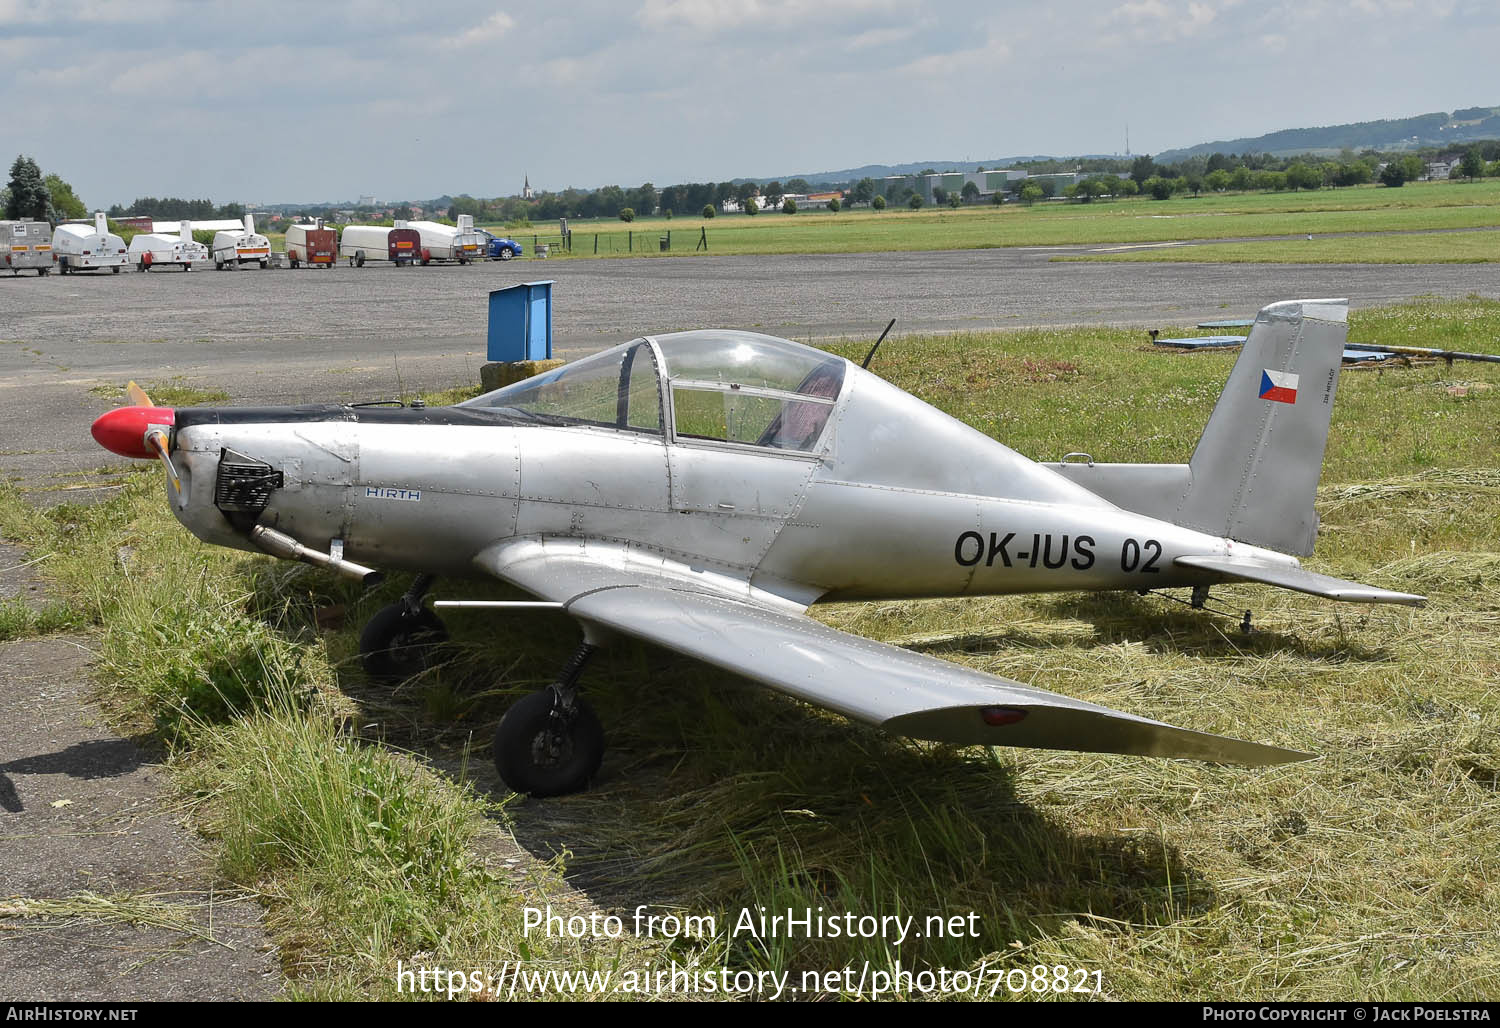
157	440
137	396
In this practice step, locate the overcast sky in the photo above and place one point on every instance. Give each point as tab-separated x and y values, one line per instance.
277	101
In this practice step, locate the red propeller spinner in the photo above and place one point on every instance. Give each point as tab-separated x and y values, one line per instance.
123	430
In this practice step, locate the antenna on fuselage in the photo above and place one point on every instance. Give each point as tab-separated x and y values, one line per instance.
871	355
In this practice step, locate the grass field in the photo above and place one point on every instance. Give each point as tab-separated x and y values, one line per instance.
1476	247
1366	874
1416	207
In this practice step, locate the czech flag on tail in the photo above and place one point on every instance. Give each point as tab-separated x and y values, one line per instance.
1280	386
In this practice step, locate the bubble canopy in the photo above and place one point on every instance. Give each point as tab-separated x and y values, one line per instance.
723	386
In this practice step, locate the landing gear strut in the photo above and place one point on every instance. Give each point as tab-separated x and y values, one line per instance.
550	743
401	639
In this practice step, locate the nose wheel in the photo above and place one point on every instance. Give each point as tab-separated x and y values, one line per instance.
551	743
401	640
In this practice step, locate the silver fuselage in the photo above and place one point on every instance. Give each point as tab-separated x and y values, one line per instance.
898	500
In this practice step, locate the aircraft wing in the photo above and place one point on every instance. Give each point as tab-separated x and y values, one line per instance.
1299	579
904	692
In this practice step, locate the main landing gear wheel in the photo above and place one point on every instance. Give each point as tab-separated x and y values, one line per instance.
550	743
545	748
400	641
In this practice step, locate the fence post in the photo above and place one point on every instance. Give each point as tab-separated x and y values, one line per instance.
702	239
630	241
669	239
596	244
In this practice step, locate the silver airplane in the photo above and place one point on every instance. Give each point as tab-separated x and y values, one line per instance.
700	490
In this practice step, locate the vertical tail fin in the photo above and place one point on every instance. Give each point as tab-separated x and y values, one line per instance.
185	231
101	223
1256	468
249	224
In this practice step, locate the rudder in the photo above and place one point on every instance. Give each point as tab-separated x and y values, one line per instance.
1255	471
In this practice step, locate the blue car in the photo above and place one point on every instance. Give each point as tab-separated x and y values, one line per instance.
502	249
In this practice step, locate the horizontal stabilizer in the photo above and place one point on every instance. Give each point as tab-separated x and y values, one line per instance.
1285	576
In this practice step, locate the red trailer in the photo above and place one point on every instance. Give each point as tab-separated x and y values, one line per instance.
312	245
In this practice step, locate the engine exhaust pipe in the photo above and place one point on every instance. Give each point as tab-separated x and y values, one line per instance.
279	544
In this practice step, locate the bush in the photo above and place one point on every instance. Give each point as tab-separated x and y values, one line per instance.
751	206
708	210
627	214
834	205
789	206
878	203
915	202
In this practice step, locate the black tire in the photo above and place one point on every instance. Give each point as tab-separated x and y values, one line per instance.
115	269
218	265
359	259
543	754
396	645
264	265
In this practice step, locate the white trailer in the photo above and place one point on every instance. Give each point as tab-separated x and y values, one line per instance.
449	243
158	250
363	243
241	246
80	246
26	246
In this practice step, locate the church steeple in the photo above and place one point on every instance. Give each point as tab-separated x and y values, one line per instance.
526	193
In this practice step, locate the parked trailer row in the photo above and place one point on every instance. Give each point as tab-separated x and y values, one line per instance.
83	246
27	246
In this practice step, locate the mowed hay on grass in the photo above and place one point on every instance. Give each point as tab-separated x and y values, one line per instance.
1367	873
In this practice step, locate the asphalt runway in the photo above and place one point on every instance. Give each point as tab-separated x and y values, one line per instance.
283	336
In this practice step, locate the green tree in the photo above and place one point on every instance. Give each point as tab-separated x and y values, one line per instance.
29	199
970	192
708	210
877	202
998	196
752	206
834	206
955	201
66	203
1217	180
1030	193
789	206
1142	168
1472	164
1159	188
915	202
627	214
864	191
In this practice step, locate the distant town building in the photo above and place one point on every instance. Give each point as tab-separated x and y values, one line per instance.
366	201
527	193
952	182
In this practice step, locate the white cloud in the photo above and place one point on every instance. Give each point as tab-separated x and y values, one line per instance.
487	31
721	15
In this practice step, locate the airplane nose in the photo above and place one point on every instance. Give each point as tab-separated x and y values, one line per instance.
123	430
